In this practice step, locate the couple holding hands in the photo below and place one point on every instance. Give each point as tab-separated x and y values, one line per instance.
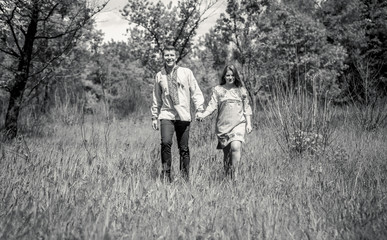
173	90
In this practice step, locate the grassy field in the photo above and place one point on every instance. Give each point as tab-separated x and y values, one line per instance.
98	180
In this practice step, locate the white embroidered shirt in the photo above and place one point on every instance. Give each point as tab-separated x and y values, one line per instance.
188	88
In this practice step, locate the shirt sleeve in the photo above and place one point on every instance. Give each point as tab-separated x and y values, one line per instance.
212	104
196	93
246	104
156	99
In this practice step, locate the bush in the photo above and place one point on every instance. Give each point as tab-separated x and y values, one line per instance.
300	119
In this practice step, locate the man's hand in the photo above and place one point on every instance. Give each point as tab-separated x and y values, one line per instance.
155	124
199	117
249	128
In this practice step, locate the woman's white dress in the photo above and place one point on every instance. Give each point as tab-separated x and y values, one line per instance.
233	107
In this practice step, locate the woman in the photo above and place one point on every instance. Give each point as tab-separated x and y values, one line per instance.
234	117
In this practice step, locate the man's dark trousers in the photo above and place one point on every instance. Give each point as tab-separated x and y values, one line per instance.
167	129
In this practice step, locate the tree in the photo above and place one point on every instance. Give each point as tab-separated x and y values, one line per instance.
294	48
308	7
238	28
158	24
35	34
360	26
276	42
115	78
213	42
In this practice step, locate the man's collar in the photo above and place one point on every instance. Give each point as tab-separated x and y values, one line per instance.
164	71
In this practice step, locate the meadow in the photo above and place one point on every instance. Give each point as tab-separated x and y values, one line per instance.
98	179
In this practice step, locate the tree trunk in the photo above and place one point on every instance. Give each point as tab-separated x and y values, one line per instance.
16	97
21	78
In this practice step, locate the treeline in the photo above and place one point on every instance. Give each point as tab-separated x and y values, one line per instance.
338	46
54	62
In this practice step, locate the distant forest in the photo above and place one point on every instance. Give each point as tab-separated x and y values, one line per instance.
55	65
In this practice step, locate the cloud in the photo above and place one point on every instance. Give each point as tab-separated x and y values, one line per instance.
111	22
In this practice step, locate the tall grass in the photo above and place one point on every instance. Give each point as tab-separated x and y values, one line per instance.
81	182
300	119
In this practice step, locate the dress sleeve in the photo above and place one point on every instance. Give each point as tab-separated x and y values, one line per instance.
156	99
212	105
246	104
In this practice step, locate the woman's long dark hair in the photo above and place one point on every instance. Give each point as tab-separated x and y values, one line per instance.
237	80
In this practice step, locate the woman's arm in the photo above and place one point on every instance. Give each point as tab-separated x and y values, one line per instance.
249	127
212	106
247	110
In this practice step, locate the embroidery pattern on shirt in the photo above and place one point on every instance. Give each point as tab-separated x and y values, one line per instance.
173	86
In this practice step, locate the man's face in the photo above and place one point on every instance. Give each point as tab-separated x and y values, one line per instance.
169	58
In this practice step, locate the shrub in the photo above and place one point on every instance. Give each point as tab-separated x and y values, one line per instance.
300	119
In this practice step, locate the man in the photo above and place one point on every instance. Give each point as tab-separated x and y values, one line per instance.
173	90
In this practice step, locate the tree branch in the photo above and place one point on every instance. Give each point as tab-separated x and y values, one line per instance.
58	35
10	52
65	49
186	18
51	12
191	32
13	31
38	83
153	33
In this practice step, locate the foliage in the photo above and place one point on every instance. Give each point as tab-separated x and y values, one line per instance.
300	141
302	123
361	27
369	103
158	24
213	46
58	26
35	34
372	115
275	41
294	48
308	7
115	78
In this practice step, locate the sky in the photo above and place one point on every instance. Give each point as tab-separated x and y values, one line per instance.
114	26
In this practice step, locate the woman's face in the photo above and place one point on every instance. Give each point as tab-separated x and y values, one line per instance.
229	77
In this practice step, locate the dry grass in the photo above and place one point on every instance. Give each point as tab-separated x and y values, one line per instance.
99	181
